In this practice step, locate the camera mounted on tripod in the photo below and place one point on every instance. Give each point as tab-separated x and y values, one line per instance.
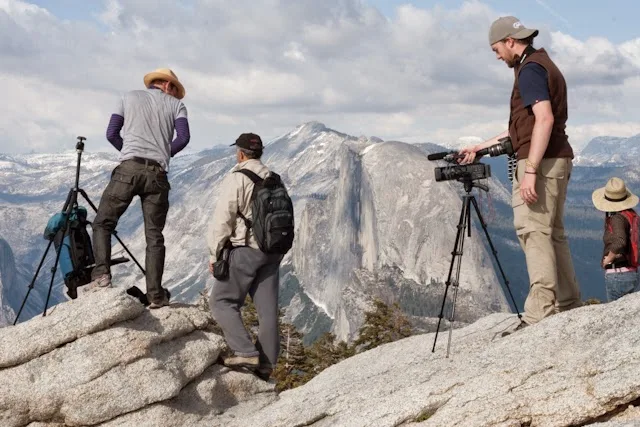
474	171
467	174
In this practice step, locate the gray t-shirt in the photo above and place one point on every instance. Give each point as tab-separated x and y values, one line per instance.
149	120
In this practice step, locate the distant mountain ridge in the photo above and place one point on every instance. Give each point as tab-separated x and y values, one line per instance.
370	221
365	210
610	151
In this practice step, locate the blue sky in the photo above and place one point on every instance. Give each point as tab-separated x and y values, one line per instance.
616	20
420	72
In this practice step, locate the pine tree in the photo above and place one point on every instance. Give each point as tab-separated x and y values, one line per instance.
384	324
325	352
291	370
298	364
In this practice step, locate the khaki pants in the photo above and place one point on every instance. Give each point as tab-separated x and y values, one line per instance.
552	280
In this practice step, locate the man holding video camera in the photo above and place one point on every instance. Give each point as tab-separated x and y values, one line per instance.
544	161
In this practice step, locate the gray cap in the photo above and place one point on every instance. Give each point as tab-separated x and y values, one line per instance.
509	26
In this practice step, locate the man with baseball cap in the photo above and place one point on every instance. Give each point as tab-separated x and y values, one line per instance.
544	161
251	271
148	119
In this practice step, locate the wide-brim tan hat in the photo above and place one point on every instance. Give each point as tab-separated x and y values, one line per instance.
614	197
165	74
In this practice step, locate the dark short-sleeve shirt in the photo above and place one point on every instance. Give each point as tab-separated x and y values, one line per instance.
532	83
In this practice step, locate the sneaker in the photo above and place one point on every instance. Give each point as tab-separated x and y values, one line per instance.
521	326
251	362
101	282
159	304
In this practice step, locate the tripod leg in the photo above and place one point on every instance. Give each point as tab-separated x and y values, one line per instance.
495	255
115	234
456	286
456	252
33	281
53	274
72	201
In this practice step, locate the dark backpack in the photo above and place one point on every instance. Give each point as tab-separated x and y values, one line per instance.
76	255
272	219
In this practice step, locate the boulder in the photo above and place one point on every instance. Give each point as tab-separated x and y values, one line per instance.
106	360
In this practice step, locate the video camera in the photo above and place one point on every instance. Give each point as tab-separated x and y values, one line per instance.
471	172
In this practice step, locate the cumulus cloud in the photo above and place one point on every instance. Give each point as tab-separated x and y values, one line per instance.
417	75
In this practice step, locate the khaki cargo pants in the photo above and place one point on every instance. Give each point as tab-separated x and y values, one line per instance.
553	286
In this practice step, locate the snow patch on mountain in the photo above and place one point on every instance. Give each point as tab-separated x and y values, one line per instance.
364	208
610	151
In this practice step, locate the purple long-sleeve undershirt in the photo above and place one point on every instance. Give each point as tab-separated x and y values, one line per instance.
113	131
182	133
182	136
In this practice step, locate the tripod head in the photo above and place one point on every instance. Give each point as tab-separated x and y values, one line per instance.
80	144
469	184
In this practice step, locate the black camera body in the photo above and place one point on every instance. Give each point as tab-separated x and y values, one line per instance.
472	172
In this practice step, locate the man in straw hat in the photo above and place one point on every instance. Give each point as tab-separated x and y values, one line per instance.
148	119
544	161
620	257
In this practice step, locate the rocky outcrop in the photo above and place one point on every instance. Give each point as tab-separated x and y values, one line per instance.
105	356
105	360
575	368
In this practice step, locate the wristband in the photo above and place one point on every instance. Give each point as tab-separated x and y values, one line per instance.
531	164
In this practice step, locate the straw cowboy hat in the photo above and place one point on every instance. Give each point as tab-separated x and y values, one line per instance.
614	197
165	74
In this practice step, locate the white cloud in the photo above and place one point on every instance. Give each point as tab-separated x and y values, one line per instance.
419	75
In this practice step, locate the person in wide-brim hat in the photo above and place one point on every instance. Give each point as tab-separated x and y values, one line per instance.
619	259
614	197
168	75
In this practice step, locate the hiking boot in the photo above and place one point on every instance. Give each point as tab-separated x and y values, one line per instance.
263	372
101	282
521	326
164	301
251	362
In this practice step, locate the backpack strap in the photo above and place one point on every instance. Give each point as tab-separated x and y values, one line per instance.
255	178
251	175
630	215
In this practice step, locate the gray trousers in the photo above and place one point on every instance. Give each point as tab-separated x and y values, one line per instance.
255	273
150	183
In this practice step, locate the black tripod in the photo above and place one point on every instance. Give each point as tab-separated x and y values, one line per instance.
70	204
464	224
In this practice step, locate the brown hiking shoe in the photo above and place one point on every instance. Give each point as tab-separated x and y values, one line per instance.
101	282
252	362
164	301
264	372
